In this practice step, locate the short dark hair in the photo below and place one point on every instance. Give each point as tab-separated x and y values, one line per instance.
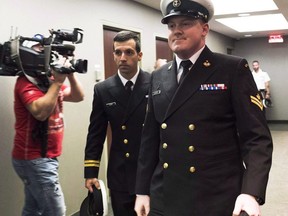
127	35
255	61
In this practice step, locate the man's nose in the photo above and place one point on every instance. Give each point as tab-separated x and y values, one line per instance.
123	56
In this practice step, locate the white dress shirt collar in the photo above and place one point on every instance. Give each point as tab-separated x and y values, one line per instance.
133	79
193	58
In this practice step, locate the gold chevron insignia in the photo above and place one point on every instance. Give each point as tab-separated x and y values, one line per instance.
256	101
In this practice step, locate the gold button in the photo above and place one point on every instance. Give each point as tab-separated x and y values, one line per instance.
192	169
123	127
191	148
165	145
191	127
164	126
127	155
125	141
165	165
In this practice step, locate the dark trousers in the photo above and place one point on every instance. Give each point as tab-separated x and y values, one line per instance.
156	206
122	203
154	212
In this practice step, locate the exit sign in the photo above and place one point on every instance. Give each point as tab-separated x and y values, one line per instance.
275	39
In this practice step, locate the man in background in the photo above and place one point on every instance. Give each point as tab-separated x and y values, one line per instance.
159	63
262	80
120	101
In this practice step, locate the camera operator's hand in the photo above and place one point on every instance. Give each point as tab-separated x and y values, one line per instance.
42	108
62	64
58	77
58	64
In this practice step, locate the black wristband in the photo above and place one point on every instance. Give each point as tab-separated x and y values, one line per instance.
259	200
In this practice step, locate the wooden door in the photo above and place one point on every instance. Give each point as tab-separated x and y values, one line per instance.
163	50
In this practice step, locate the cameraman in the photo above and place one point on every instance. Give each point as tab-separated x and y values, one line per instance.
38	140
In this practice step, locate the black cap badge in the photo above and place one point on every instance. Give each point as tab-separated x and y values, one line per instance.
176	3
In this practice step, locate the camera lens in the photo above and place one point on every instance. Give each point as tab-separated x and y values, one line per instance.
79	65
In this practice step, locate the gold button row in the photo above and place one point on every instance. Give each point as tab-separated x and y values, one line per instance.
190	148
192	169
190	126
125	141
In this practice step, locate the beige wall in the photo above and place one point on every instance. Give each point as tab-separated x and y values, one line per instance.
30	17
273	59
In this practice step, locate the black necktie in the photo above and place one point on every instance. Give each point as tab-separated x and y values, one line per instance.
186	66
128	86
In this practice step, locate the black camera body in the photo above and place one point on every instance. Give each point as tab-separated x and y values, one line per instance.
16	59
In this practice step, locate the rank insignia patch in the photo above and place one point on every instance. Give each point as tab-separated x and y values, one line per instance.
257	101
91	163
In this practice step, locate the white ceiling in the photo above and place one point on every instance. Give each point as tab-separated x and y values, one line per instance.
223	29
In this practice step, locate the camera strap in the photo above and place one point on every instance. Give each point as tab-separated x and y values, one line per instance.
40	131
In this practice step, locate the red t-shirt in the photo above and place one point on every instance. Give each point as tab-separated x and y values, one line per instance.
25	147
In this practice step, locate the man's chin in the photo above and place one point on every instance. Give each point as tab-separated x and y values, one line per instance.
124	70
177	51
177	48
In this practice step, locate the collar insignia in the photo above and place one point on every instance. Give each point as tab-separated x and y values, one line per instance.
207	63
176	3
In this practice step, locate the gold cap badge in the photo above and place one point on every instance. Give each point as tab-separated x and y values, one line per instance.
207	63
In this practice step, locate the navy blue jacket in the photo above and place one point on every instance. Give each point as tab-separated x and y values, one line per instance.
126	118
197	136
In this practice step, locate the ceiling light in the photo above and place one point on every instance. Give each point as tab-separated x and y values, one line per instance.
256	23
244	6
243	14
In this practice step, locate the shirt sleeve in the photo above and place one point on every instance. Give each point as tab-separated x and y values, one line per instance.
27	91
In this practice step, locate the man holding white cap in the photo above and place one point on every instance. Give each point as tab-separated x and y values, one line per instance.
206	149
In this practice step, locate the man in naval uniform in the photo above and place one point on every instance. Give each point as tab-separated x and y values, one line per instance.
206	149
123	106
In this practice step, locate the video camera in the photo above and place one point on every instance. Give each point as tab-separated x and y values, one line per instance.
16	58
